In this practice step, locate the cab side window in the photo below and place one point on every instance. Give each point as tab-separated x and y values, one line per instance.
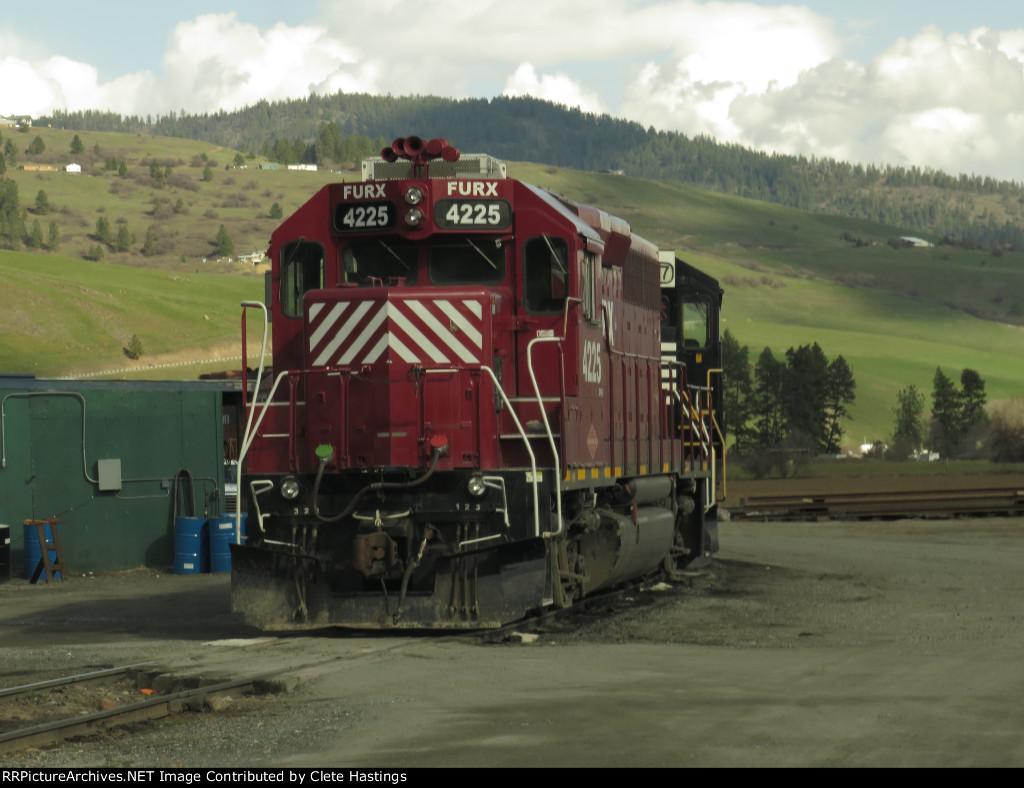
302	269
545	275
696	324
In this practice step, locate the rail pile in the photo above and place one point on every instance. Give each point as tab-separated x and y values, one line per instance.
883	505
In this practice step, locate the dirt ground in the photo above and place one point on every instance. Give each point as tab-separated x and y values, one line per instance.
807	644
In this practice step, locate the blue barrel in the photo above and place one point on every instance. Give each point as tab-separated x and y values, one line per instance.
33	555
191	555
5	553
222	533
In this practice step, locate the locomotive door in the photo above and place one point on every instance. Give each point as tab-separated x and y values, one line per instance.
544	291
697	314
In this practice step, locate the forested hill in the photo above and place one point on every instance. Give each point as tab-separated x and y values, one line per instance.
968	209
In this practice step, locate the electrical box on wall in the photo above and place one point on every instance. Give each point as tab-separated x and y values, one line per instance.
110	474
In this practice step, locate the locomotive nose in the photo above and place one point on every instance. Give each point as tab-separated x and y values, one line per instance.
392	371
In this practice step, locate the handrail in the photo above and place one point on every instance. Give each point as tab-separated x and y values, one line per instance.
247	435
547	427
721	438
526	443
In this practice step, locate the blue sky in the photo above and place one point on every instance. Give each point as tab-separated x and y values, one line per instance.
903	82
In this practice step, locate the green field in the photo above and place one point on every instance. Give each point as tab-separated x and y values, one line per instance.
789	277
62	316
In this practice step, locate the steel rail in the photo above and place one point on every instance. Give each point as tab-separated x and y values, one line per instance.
864	505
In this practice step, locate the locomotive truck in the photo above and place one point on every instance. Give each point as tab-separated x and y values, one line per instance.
485	400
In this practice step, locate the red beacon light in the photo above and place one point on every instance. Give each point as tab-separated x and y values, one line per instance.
420	153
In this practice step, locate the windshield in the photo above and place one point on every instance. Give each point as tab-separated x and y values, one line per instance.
466	262
363	262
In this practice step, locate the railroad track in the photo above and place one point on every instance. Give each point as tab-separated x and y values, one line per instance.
197	688
150	708
134	693
882	505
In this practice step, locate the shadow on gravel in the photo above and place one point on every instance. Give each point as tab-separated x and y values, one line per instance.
187	614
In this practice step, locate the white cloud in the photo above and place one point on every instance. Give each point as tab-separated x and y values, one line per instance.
557	88
216	62
771	77
951	102
722	52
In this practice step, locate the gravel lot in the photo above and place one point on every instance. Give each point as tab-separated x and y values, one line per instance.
807	644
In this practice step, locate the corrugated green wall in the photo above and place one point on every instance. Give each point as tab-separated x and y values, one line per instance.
154	429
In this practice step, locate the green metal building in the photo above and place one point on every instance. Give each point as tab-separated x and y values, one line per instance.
112	462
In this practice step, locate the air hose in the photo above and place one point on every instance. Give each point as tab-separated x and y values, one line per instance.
436	454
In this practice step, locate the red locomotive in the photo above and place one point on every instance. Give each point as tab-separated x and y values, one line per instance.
486	400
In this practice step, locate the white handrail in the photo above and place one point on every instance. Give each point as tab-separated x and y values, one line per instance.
526	443
247	435
547	428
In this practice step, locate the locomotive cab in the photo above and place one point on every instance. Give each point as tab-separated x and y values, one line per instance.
470	415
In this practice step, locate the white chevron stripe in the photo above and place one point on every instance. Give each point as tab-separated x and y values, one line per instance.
467	328
461	339
328	322
343	332
377	350
417	336
442	332
403	352
359	342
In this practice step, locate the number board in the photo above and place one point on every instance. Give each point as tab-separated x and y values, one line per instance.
472	214
361	217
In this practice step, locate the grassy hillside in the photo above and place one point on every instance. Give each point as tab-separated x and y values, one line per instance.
790	277
62	316
182	209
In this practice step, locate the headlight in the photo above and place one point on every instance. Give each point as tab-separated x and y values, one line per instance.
414	216
290	488
476	486
413	195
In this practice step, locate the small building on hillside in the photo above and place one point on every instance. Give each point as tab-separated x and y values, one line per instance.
254	258
73	168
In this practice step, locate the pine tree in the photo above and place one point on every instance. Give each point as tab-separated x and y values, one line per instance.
35	235
908	433
972	399
738	389
839	393
124	240
769	381
12	228
946	410
102	233
225	248
804	394
76	146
